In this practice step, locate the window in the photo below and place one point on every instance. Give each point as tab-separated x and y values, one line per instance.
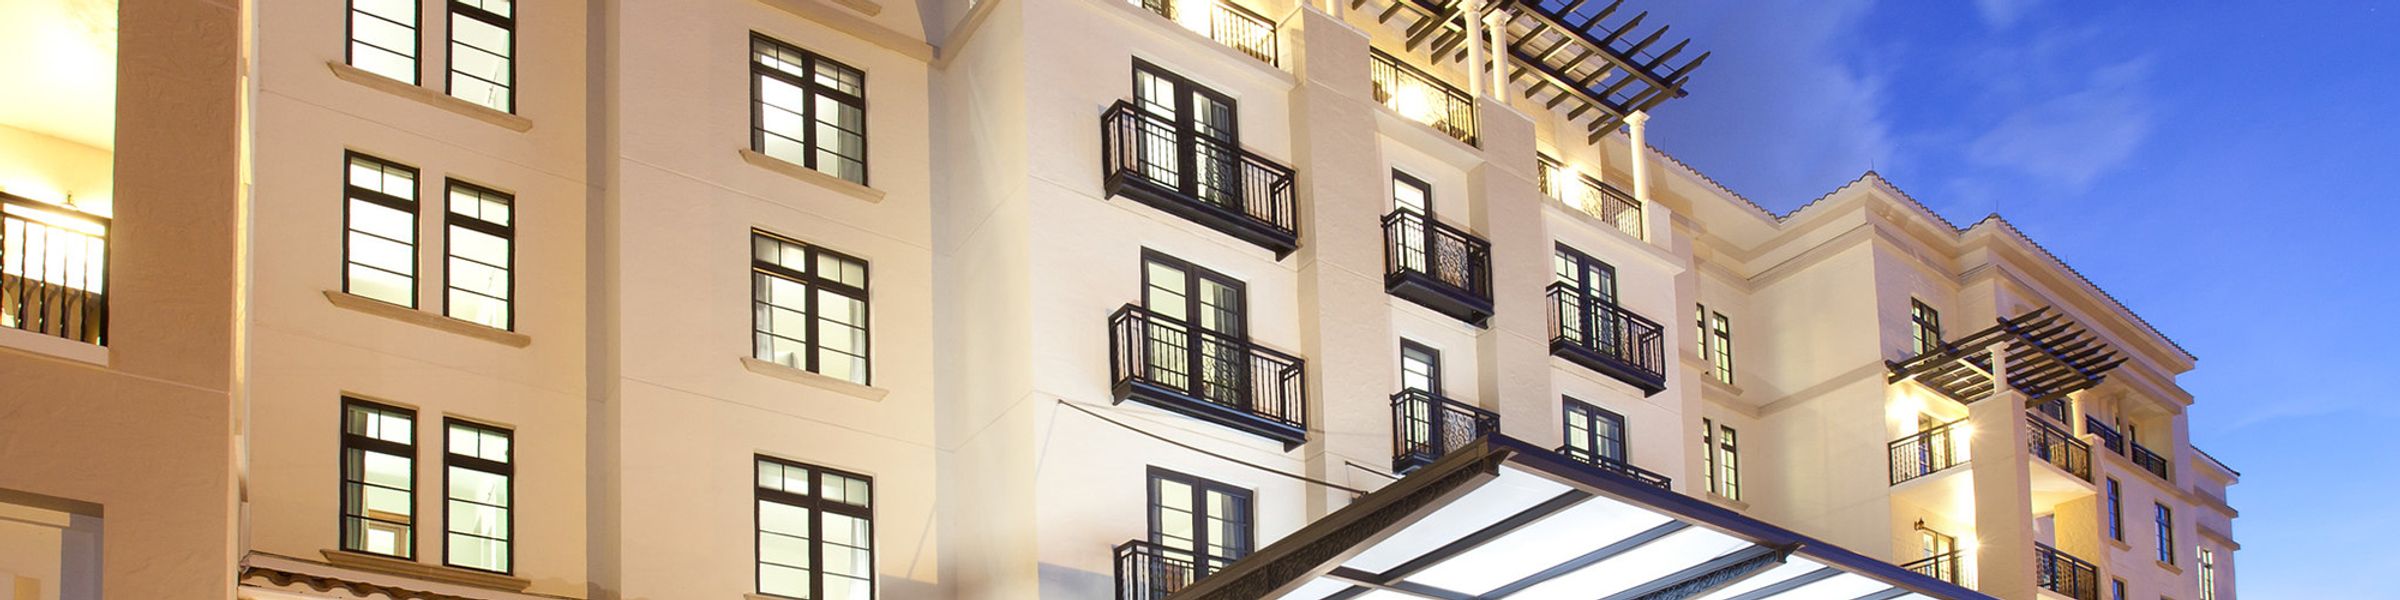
480	274
1700	329
808	110
1420	368
2116	512
816	532
383	38
1551	176
2116	589
1720	341
1200	128
1411	194
1723	459
809	307
483	50
1708	452
2166	534
1198	341
379	479
480	478
1925	327
1594	432
380	251
1596	280
2208	574
1207	522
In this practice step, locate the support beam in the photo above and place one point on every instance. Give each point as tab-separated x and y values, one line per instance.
1589	558
1698	580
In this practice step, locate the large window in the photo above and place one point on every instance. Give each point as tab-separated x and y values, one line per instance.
379	479
2116	512
1199	342
1720	343
482	252
808	110
1594	432
816	532
483	53
1420	368
383	38
2208	574
1206	522
2166	534
1925	327
380	214
478	475
1721	459
809	307
1193	132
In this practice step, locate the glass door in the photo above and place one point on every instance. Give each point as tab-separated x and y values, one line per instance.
1197	341
1188	125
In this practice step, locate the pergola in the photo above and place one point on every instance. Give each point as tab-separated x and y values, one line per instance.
2049	356
1572	53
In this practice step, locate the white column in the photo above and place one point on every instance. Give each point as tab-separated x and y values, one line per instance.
1498	24
1474	25
1637	130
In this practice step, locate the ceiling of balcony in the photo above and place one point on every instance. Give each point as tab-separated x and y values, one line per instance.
60	79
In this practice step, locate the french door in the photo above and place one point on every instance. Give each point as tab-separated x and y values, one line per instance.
1190	141
1197	342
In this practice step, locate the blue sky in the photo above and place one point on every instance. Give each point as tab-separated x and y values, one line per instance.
2227	169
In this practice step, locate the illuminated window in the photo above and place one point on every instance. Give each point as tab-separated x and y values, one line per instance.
1720	342
379	479
816	532
1925	327
809	307
1194	519
380	252
1594	432
2166	534
1725	460
2208	574
479	481
480	274
483	51
383	38
808	110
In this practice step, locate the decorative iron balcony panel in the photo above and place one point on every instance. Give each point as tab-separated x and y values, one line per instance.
2053	444
1596	198
1147	571
1948	566
1155	160
1606	338
1928	452
1223	21
1619	467
1426	426
53	270
2151	461
2109	437
2063	573
1441	267
1206	375
1421	97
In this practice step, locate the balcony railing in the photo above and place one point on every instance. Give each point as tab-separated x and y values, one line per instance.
1172	166
2150	461
1436	265
1929	451
1598	199
1148	571
1206	375
2057	409
1949	566
1426	426
2063	573
1420	97
1222	21
53	270
1606	338
2053	444
2109	437
1616	466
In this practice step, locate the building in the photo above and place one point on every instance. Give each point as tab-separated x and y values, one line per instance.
512	299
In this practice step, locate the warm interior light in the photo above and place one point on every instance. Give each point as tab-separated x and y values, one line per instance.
1193	15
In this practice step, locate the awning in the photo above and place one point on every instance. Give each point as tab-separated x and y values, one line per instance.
1500	518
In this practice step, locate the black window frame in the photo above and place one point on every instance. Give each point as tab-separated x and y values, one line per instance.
2166	533
1925	327
1727	454
507	234
507	472
817	505
2116	510
362	442
459	8
814	282
1201	486
412	205
814	90
1193	274
416	38
1605	290
1433	362
1402	178
1592	416
1720	341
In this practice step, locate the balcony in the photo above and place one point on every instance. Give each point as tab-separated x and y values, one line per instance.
2109	437
2063	573
2052	444
2150	461
1209	180
1148	571
1603	337
1206	375
53	270
1619	467
1600	200
1929	451
1438	266
1949	566
1426	426
1231	25
1418	96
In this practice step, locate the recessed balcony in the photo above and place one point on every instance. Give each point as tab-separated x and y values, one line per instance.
1603	337
1947	566
2052	444
1427	426
1600	200
1438	266
1223	21
2064	573
2151	461
1619	467
1419	96
1171	165
1929	451
53	270
1148	571
1206	375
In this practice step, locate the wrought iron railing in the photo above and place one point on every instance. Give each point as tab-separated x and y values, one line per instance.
1419	96
1619	467
1199	365
2053	444
1614	207
1587	322
1149	571
53	270
1929	451
2109	437
2150	461
1426	426
1212	175
2063	573
1413	243
1221	20
1947	566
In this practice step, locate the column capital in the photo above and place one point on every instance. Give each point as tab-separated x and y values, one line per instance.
1637	119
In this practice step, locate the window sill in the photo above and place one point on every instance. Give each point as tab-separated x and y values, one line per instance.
2169	567
417	570
824	382
1728	502
428	96
1719	384
413	316
789	169
53	346
2121	545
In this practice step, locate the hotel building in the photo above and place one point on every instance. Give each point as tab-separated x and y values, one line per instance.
1132	299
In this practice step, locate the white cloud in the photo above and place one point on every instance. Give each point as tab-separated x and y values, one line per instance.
2074	137
1788	107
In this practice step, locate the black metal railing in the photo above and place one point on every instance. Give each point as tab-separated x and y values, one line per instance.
2063	573
1231	25
1629	346
1203	176
1149	571
1204	373
2109	437
1616	466
2053	444
1929	451
1419	96
1612	206
2056	408
1457	261
2150	461
1948	566
1426	426
53	270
